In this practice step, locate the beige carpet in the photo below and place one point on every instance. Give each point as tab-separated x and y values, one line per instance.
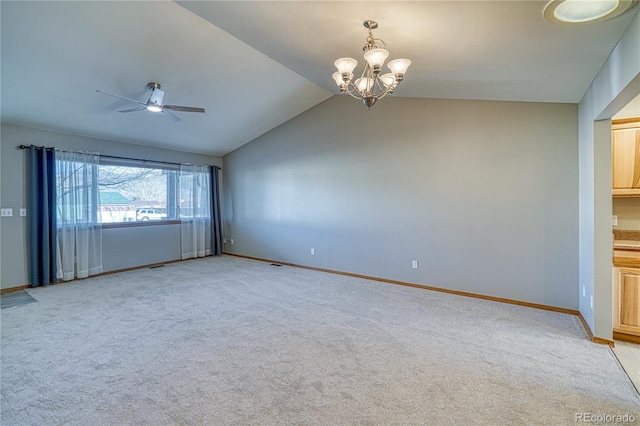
230	341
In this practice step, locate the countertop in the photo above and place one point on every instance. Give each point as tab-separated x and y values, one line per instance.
626	234
626	246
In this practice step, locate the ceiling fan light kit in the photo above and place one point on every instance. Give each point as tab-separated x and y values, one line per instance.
156	103
585	11
371	86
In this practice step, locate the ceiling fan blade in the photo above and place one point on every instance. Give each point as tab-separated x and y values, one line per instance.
183	108
170	115
133	109
121	97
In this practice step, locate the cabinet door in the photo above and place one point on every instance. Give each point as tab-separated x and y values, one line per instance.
626	159
627	300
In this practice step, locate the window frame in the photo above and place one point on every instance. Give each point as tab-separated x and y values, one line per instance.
134	163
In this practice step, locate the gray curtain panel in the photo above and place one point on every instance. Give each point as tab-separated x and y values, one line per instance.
216	217
42	218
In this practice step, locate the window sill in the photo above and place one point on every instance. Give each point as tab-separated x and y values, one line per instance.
139	223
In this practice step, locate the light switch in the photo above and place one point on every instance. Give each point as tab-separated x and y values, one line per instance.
614	220
6	212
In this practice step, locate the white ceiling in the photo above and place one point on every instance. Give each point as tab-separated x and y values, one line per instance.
255	65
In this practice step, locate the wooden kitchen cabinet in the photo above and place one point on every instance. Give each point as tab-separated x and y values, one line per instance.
626	300
625	156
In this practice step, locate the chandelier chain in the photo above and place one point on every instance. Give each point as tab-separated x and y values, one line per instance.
371	43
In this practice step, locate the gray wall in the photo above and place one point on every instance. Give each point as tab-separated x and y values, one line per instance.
617	83
483	194
122	247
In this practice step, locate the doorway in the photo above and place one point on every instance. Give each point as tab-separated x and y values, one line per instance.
625	226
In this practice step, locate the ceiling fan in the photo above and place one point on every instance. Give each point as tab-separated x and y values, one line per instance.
154	104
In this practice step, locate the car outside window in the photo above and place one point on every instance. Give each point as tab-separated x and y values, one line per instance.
136	193
150	214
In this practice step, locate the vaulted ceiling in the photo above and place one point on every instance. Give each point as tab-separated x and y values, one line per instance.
255	64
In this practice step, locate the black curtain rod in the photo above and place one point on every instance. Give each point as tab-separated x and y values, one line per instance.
37	147
115	157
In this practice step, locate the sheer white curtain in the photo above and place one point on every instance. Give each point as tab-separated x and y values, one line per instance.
195	210
79	233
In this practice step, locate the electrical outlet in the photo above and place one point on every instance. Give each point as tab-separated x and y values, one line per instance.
584	292
313	251
6	212
23	212
614	220
414	264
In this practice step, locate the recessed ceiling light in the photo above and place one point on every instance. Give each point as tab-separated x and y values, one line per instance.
585	11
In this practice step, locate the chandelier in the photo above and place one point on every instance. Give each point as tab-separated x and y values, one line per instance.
371	86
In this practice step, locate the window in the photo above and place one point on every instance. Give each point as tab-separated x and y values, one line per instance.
133	191
76	189
130	191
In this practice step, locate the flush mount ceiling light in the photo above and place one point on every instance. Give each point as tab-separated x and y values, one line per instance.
371	86
585	11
